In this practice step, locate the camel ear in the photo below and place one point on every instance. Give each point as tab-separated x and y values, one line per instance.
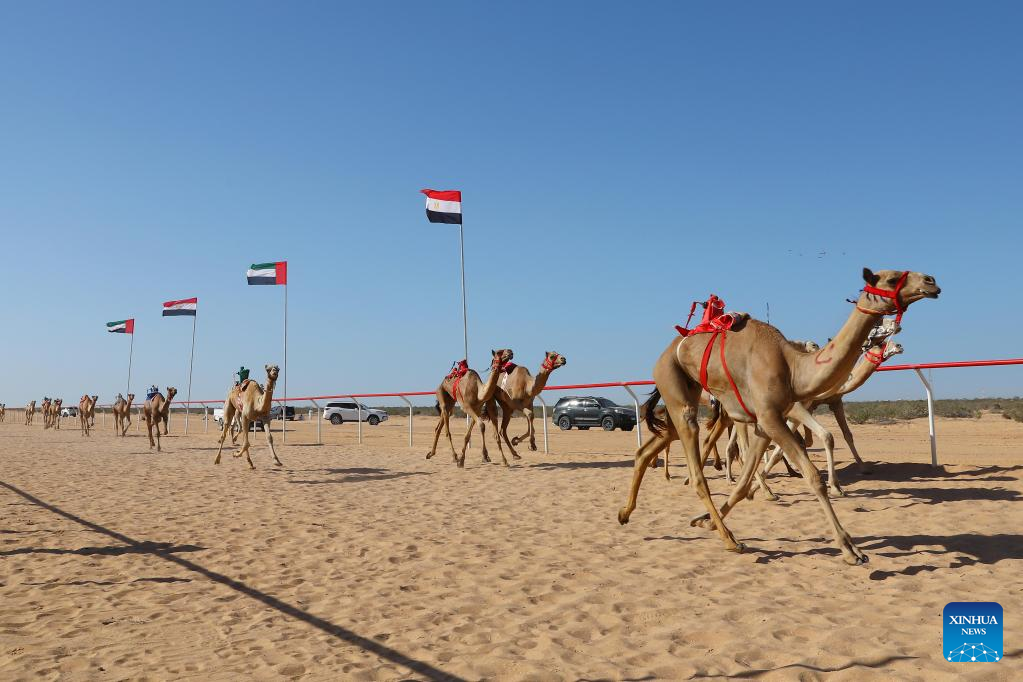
869	277
493	353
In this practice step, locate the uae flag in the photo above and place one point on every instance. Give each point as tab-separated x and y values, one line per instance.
185	306
121	327
443	207
268	273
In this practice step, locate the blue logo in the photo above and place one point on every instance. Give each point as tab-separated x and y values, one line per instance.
972	632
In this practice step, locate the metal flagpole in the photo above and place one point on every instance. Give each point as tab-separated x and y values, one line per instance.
131	351
465	323
284	405
191	357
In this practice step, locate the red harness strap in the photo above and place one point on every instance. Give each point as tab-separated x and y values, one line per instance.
875	358
459	370
892	294
508	367
724	366
548	363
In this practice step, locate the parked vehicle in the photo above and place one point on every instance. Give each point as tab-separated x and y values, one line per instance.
69	412
341	411
275	413
583	412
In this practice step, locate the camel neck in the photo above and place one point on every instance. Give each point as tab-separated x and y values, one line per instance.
489	388
539	382
815	374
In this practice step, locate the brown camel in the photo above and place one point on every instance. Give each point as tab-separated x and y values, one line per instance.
44	408
122	413
769	378
86	410
516	389
156	410
467	388
30	412
252	402
55	413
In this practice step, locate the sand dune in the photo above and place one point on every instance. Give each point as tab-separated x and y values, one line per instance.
367	562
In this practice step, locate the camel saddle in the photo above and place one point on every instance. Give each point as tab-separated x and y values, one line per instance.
241	389
715	319
458	370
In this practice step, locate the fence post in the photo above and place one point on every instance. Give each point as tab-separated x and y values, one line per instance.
319	420
409	403
358	406
138	420
635	402
930	417
543	406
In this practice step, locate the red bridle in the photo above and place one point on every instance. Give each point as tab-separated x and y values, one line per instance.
874	357
548	363
893	294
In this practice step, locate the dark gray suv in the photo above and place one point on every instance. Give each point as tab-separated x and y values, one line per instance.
586	411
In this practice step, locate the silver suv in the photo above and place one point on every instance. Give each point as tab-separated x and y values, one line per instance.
341	411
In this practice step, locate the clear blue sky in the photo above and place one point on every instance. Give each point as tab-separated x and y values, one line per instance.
617	161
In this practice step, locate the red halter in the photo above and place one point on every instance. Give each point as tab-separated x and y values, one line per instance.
886	293
507	367
876	358
548	363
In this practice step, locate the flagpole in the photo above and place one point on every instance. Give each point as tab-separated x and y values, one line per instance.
465	319
284	409
131	351
191	357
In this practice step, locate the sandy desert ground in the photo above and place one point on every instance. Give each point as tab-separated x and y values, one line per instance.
368	562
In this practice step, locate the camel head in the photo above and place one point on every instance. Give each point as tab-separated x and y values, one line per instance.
131	397
891	348
881	332
892	291
272	372
171	392
499	357
552	360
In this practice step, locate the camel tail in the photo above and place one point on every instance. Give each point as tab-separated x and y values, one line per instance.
655	424
715	415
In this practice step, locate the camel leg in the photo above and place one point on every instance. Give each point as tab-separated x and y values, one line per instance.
149	431
270	442
802	415
684	418
246	445
506	417
226	428
530	416
156	428
775	428
709	444
667	474
436	436
649	450
750	465
838	409
465	441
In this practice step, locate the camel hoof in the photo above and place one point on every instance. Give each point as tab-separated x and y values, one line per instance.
837	492
623	517
698	521
856	560
770	497
866	469
515	441
515	456
739	548
532	447
280	464
718	466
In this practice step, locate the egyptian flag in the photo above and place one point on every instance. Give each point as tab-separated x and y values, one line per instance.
121	327
268	273
443	207
185	306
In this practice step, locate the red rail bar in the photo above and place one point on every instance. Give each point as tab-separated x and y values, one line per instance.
616	384
941	365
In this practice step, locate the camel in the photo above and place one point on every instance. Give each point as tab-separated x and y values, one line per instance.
769	378
156	410
86	411
252	402
516	389
463	385
122	413
45	409
30	412
55	413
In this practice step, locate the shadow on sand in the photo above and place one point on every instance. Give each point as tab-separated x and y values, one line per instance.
420	668
968	550
796	667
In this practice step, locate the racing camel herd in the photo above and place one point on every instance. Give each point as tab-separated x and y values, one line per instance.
759	386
